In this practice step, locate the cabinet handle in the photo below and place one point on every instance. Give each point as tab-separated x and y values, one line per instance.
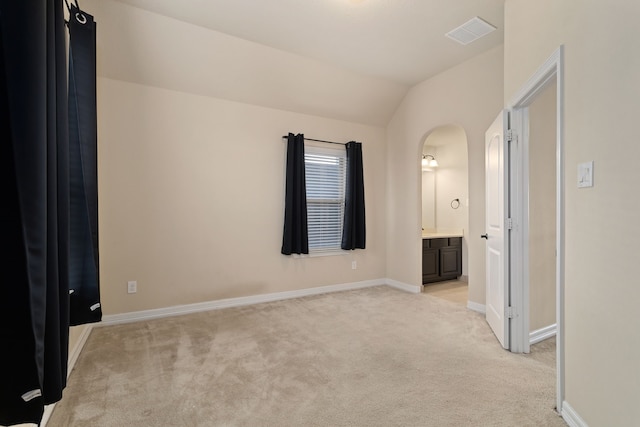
484	236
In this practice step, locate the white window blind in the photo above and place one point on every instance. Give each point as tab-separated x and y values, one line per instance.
325	179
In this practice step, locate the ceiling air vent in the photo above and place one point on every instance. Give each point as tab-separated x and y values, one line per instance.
470	31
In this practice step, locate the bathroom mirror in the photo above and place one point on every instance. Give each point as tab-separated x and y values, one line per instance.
445	187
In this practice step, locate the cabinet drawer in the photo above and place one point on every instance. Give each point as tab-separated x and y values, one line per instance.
455	241
439	243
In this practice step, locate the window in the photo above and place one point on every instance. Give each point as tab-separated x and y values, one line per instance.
325	180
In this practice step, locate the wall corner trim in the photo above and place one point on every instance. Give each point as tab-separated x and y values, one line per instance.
480	308
77	349
542	334
571	416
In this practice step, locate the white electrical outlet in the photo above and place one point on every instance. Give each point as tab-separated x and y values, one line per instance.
132	287
354	265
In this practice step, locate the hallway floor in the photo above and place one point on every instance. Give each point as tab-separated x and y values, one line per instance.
456	291
451	290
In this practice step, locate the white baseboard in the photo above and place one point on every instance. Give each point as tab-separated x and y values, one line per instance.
480	308
464	279
414	289
77	349
542	334
158	313
48	411
74	353
571	417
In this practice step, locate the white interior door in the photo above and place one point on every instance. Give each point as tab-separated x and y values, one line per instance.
496	170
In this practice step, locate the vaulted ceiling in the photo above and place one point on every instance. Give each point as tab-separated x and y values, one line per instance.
399	40
347	59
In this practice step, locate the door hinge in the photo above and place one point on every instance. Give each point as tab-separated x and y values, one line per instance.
511	136
508	224
508	312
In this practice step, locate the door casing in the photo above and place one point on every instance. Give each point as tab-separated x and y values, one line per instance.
551	70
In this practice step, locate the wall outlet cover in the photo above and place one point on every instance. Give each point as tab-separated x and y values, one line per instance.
132	287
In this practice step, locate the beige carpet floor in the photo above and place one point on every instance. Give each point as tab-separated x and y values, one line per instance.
369	357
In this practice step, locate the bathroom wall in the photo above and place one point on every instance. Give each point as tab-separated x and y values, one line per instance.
452	180
428	201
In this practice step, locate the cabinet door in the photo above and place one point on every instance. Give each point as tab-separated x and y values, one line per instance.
450	262
430	264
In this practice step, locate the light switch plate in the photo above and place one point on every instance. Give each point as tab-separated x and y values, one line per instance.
585	174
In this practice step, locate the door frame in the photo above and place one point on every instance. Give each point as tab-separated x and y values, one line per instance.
551	70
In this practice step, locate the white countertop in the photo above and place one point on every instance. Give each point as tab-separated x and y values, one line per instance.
441	234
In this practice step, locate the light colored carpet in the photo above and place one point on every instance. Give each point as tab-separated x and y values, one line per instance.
369	357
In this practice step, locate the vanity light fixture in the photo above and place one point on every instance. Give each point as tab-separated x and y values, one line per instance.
428	161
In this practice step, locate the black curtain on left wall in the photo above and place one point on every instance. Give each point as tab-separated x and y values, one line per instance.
34	208
295	237
84	276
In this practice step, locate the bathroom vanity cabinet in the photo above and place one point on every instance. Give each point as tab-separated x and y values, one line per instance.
441	259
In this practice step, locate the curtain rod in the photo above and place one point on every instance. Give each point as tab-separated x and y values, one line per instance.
318	140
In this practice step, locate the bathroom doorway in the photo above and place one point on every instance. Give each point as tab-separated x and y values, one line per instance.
445	206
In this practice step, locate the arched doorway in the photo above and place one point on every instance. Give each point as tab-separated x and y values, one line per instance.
445	210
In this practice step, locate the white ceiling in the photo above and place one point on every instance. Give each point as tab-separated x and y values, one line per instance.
350	60
402	41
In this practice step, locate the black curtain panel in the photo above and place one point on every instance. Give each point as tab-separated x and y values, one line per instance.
34	209
354	229
84	282
295	238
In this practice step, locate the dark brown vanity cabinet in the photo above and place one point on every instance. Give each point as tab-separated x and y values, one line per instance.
441	259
